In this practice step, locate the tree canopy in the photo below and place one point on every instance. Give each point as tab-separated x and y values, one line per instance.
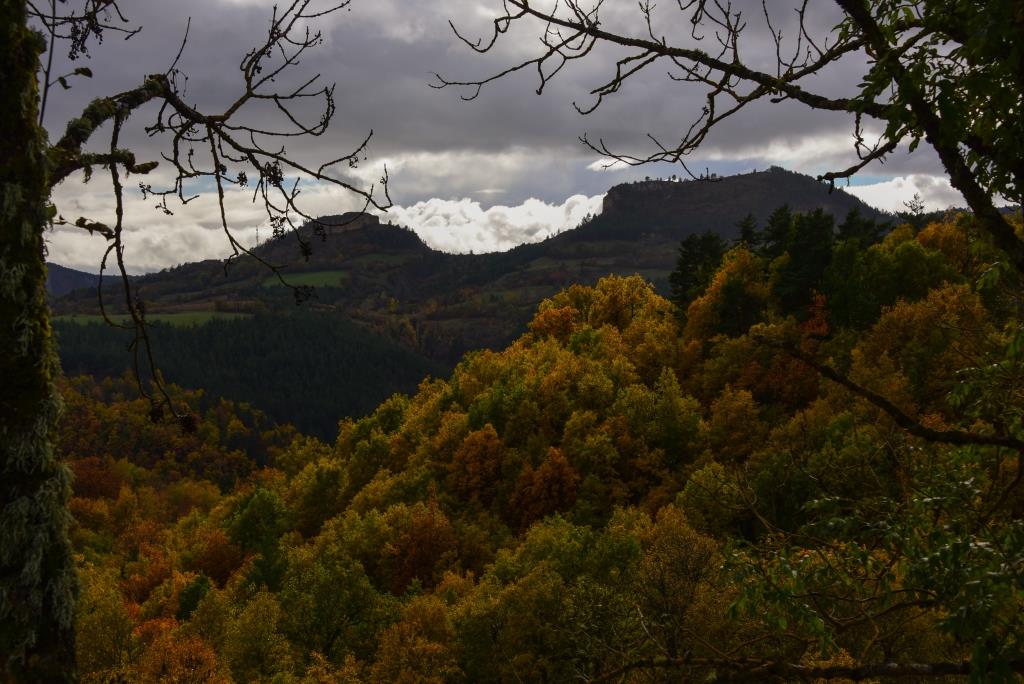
615	497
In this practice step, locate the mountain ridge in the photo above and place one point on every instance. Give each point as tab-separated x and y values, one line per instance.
441	305
60	280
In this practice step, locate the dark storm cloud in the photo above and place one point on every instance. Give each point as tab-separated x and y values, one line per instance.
382	55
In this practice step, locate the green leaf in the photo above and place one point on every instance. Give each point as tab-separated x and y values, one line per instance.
1015	349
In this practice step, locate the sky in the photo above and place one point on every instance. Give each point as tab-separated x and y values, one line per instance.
480	175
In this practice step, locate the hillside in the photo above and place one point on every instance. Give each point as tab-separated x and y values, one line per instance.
443	305
305	369
60	280
418	310
675	210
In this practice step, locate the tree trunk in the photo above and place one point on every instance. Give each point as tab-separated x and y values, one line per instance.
37	575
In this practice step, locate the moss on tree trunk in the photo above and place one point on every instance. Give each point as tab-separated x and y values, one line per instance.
37	575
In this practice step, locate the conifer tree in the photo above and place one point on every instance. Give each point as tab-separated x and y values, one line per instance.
775	236
749	233
699	257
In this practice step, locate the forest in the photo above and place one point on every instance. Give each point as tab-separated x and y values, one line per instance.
633	490
346	369
805	464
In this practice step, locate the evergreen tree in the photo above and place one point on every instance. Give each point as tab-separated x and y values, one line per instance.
809	246
749	234
699	257
856	227
913	212
776	234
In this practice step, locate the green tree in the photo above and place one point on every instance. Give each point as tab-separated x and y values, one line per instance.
856	227
859	282
699	257
107	647
254	646
809	250
256	525
749	233
332	607
776	233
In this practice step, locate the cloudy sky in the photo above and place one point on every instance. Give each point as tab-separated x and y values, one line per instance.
481	175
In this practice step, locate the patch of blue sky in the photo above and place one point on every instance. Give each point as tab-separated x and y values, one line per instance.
868	180
206	184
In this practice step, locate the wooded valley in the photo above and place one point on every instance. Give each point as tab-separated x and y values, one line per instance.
628	492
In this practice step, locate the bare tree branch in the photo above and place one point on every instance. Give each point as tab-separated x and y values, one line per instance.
901	418
905	101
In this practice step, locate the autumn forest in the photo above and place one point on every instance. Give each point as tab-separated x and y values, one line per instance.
731	427
631	485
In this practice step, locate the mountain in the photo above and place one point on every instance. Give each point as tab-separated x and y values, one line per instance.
443	305
678	209
439	305
60	280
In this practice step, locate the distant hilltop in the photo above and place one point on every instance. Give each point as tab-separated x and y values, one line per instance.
683	207
350	220
61	280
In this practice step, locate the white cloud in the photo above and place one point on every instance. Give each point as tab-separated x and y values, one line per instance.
606	164
155	240
935	191
464	225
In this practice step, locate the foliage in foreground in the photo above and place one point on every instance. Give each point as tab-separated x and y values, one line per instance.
624	494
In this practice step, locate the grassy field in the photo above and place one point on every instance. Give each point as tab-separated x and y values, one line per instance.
313	278
177	319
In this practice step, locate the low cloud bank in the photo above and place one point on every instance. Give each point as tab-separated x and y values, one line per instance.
891	195
465	226
155	240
